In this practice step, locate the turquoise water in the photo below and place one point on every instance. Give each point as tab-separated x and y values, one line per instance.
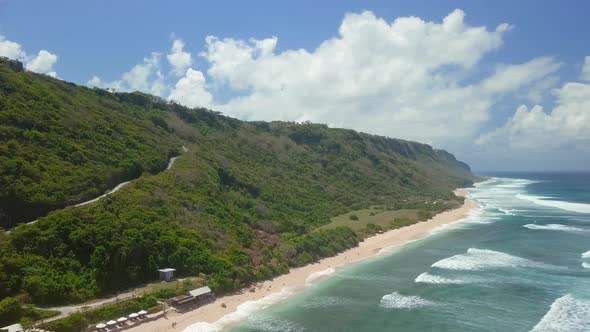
520	263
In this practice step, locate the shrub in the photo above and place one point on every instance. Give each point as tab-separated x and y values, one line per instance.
73	323
10	311
354	217
424	215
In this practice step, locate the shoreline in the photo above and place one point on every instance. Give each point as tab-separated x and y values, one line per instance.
214	317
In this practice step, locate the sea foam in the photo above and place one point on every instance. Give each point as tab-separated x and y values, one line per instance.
586	265
397	301
566	314
481	259
586	254
570	206
507	212
318	275
243	311
555	227
428	278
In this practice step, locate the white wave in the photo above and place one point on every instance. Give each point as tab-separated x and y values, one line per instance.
586	265
511	183
569	206
398	301
474	216
481	259
485	182
555	227
508	212
566	314
586	254
428	278
317	275
244	310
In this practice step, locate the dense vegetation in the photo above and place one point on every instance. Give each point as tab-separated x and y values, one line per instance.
243	204
61	144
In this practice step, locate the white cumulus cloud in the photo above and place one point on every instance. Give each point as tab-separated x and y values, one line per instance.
190	90
566	125
11	49
178	58
42	63
145	77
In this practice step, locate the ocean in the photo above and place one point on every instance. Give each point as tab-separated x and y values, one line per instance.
519	263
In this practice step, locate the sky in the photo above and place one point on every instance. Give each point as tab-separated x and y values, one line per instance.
503	85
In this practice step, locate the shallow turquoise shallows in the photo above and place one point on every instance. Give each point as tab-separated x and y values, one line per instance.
520	263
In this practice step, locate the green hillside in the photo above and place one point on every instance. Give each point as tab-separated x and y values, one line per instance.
243	204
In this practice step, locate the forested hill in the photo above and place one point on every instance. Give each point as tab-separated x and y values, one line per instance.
243	204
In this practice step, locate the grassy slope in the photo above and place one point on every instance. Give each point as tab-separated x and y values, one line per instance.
243	204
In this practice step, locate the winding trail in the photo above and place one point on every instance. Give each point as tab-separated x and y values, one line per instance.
114	190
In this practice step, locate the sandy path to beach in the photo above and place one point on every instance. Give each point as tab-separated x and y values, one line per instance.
214	317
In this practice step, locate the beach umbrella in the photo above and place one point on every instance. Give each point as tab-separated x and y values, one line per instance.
122	319
101	326
111	322
133	315
143	312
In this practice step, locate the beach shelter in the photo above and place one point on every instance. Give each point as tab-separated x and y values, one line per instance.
122	320
111	323
142	313
101	326
133	316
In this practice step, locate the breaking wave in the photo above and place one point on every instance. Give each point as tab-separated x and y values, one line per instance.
566	314
481	259
542	200
428	278
555	227
398	301
509	212
586	254
586	265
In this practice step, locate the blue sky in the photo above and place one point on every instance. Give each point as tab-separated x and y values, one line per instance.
107	39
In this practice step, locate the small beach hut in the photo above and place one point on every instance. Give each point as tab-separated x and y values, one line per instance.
199	295
166	274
